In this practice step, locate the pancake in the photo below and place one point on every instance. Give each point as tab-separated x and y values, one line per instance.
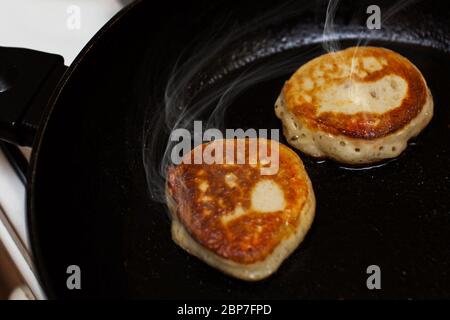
236	219
359	105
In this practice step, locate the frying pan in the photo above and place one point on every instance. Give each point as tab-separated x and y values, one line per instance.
88	197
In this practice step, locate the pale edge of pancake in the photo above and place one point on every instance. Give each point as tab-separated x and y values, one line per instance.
249	272
346	149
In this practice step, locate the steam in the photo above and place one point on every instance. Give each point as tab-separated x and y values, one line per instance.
330	43
199	88
363	35
221	64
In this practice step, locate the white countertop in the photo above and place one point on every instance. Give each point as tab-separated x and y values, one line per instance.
56	26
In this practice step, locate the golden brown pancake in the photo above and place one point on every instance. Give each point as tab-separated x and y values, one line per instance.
358	105
237	220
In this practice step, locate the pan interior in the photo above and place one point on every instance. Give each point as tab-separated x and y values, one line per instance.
92	208
393	214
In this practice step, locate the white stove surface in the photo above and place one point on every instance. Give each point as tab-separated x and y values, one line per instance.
56	26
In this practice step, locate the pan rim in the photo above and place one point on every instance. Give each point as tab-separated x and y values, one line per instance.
41	135
38	262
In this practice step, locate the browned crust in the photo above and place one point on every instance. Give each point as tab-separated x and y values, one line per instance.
363	125
237	240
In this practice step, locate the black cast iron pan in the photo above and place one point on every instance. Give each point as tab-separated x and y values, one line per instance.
88	198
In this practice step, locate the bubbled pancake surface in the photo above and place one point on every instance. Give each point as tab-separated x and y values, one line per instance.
359	92
233	210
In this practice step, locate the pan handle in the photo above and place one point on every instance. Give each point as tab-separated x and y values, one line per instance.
28	79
